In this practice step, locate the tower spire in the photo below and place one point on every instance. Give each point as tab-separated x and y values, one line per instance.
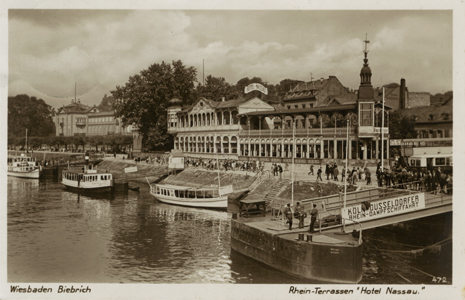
366	41
365	89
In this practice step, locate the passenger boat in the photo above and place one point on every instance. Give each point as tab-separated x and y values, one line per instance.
87	180
23	166
189	196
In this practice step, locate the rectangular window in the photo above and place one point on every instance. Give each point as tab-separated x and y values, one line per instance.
440	161
366	114
303	105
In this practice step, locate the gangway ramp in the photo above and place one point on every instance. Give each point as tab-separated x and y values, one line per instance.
427	204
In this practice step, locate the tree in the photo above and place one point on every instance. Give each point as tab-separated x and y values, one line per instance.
143	100
285	86
401	127
29	113
216	88
106	104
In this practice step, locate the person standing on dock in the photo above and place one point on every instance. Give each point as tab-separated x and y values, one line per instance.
314	214
288	214
300	214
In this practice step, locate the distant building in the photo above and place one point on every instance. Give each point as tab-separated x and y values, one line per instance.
317	93
78	119
432	121
399	97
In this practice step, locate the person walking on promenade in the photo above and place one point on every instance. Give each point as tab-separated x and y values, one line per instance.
289	215
311	170
300	214
335	172
314	214
280	170
318	174
368	176
327	171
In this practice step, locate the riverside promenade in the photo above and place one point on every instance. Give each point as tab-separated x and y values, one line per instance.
301	172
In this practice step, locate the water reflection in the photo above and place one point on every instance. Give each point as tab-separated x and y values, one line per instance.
59	236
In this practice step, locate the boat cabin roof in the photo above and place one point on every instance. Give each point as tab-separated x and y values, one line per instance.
185	188
85	173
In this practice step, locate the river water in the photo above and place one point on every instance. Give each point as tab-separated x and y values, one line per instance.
60	236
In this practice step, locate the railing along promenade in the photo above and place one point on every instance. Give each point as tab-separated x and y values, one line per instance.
243	132
338	131
436	202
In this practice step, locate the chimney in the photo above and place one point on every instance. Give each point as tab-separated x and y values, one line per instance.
222	99
402	94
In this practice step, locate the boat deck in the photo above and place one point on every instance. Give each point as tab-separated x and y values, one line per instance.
279	227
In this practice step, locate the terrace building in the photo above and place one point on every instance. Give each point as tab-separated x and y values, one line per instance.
312	125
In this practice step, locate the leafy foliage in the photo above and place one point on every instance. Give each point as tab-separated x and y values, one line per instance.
216	88
401	127
106	104
143	100
29	113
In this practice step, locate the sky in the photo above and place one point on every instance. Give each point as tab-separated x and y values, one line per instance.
50	51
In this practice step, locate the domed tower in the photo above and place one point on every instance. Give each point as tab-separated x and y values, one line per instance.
365	91
174	106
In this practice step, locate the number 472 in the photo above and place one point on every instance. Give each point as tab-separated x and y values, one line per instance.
439	279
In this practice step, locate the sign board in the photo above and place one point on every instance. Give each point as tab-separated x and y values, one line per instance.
395	142
256	87
224	190
130	169
385	208
176	163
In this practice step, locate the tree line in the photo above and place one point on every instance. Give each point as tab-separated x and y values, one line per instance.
110	143
142	101
144	98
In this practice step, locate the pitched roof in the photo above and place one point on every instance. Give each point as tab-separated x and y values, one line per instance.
429	114
306	89
75	108
216	104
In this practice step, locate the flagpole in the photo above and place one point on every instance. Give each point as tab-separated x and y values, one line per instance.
345	176
382	136
293	155
218	168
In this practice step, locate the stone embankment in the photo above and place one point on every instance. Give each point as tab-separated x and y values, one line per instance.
151	171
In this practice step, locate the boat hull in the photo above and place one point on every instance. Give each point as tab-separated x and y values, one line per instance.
104	189
332	263
219	202
30	174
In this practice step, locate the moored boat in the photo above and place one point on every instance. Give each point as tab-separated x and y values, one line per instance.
88	180
320	257
189	196
23	167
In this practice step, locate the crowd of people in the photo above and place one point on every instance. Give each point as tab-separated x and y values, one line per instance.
399	177
224	164
434	181
160	159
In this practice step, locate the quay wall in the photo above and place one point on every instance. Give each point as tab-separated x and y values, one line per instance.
151	171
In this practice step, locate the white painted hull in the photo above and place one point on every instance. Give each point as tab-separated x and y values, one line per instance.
25	174
104	185
220	202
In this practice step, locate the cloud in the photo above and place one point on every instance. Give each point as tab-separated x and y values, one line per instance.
99	50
